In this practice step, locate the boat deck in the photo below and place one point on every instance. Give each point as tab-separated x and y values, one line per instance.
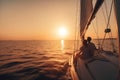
100	67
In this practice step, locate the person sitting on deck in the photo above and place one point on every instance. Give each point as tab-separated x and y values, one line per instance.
91	46
84	50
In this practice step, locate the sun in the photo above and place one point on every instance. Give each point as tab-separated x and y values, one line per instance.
62	31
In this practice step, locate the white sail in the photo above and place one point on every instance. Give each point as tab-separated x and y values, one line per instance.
86	11
87	14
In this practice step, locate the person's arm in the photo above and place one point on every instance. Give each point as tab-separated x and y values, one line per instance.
80	51
95	47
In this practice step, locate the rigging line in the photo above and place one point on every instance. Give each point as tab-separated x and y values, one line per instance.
76	22
77	33
106	10
96	35
97	32
112	42
109	15
78	39
110	36
75	28
104	15
107	23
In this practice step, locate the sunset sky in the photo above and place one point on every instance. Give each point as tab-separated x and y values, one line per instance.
38	19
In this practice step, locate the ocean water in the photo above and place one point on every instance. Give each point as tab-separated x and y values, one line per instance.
37	60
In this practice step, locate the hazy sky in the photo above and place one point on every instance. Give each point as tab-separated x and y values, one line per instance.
42	19
36	19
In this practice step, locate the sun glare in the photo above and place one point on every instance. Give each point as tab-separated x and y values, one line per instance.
62	31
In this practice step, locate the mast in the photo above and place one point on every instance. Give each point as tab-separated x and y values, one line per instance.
117	13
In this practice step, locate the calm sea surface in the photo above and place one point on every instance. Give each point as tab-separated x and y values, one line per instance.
35	60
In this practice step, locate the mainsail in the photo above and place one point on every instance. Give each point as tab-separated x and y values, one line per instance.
86	11
87	14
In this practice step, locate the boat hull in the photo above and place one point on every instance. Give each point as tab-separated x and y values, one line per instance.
99	67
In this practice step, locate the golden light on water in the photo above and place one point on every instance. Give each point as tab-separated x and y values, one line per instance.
62	45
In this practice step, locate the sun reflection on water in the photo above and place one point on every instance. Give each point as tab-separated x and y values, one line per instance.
62	45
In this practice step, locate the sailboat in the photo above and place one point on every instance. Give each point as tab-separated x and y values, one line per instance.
104	65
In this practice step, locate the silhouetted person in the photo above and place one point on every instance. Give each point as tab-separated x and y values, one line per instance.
84	50
91	46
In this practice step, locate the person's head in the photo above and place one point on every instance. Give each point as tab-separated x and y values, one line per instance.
89	39
84	42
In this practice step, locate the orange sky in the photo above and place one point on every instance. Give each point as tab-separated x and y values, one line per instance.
40	19
36	19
